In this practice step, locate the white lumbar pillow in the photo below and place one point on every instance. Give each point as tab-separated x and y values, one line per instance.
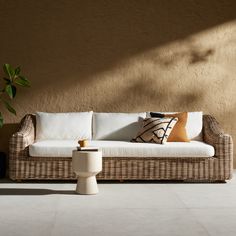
193	126
116	126
71	125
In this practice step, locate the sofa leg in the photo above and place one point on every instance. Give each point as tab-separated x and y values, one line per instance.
18	180
121	181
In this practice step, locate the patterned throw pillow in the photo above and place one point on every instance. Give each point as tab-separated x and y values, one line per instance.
155	130
179	133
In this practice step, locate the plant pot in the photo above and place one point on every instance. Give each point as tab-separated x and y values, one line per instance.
2	164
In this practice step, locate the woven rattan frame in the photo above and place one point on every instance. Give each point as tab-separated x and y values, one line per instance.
217	168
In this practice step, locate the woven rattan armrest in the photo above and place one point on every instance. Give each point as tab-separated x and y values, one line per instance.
215	136
19	142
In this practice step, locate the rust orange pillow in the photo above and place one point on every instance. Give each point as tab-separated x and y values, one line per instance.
178	133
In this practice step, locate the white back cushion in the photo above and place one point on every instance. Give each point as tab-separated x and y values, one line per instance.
116	126
193	126
74	125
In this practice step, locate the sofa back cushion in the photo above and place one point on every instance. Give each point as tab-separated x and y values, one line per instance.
116	126
193	125
74	125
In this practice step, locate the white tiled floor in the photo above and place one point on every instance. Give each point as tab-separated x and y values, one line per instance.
127	209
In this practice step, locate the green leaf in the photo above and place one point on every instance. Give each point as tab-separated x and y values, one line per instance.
1	120
11	90
22	81
8	81
9	107
17	71
9	71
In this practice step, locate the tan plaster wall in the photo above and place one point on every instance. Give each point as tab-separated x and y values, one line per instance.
122	56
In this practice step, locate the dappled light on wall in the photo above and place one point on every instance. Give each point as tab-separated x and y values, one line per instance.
155	55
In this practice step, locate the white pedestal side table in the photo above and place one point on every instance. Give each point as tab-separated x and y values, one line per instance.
86	165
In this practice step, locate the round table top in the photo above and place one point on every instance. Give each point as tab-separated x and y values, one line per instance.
84	154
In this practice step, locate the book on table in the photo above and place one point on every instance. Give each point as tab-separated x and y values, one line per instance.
92	149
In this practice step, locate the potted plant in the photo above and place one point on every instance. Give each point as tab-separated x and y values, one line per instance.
12	79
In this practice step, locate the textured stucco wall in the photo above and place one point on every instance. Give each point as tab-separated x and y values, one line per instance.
122	56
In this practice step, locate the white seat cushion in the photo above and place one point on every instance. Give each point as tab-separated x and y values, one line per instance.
63	148
71	125
116	126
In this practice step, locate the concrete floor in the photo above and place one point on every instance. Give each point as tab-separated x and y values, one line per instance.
119	209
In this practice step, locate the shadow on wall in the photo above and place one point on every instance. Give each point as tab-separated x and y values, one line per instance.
120	56
193	55
65	42
147	94
5	133
197	57
65	47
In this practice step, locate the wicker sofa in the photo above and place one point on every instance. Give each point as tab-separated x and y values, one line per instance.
22	166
